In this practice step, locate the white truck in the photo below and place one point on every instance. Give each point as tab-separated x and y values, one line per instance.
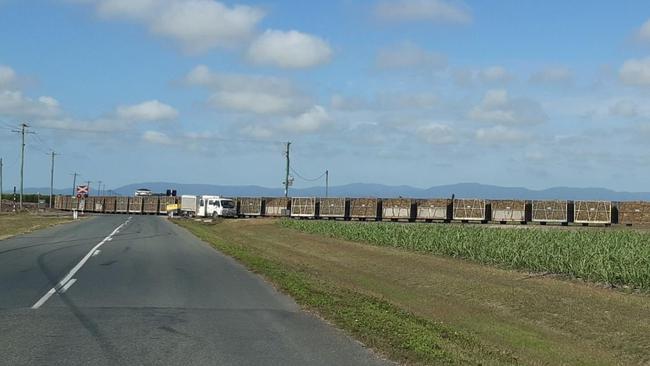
207	206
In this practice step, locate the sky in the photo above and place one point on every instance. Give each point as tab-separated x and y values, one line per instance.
400	92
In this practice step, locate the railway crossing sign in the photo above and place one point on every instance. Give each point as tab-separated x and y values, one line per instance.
82	191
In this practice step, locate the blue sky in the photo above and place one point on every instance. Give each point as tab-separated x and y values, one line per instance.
417	92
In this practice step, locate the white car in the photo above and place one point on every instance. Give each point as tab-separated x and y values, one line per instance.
143	192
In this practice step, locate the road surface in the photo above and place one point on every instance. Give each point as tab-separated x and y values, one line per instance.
120	290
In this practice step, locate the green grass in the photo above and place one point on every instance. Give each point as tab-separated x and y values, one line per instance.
614	257
395	332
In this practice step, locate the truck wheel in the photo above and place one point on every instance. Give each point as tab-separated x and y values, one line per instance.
215	215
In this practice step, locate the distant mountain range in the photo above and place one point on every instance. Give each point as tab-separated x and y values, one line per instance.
461	190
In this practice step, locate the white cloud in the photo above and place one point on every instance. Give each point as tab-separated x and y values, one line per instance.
152	110
500	134
407	55
14	103
624	108
157	137
557	75
636	72
348	103
643	34
407	101
498	107
257	132
495	74
291	50
197	25
438	11
249	93
8	77
312	120
436	134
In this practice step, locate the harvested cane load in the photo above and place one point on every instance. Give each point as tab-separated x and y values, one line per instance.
277	206
150	204
469	209
303	206
592	212
433	209
250	206
396	208
634	213
135	204
508	210
122	204
89	204
363	208
99	204
109	204
332	207
550	211
164	202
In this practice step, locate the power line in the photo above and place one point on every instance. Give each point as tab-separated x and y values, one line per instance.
308	179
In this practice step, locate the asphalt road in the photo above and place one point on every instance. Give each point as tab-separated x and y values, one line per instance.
151	294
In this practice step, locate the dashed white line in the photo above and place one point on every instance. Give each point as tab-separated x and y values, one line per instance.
68	281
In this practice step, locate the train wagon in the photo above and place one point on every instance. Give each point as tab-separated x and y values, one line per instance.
432	209
276	207
396	209
135	204
57	203
508	211
163	202
122	205
550	211
109	204
634	213
89	204
332	208
98	205
592	212
150	205
250	206
469	209
364	208
303	207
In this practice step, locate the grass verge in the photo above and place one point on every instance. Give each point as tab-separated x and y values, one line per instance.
618	258
16	224
501	316
397	333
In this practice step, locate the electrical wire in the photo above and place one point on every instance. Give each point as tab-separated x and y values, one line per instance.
307	179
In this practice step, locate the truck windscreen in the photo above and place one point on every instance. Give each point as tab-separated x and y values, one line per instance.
228	204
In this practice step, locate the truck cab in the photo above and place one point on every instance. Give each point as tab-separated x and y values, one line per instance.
215	206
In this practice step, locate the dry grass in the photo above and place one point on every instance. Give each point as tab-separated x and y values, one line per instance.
531	318
15	224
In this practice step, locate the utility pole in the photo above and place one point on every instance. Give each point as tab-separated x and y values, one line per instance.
52	179
88	185
99	188
286	176
1	185
74	183
327	183
22	131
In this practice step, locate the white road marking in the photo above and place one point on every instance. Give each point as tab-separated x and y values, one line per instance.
64	282
67	285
